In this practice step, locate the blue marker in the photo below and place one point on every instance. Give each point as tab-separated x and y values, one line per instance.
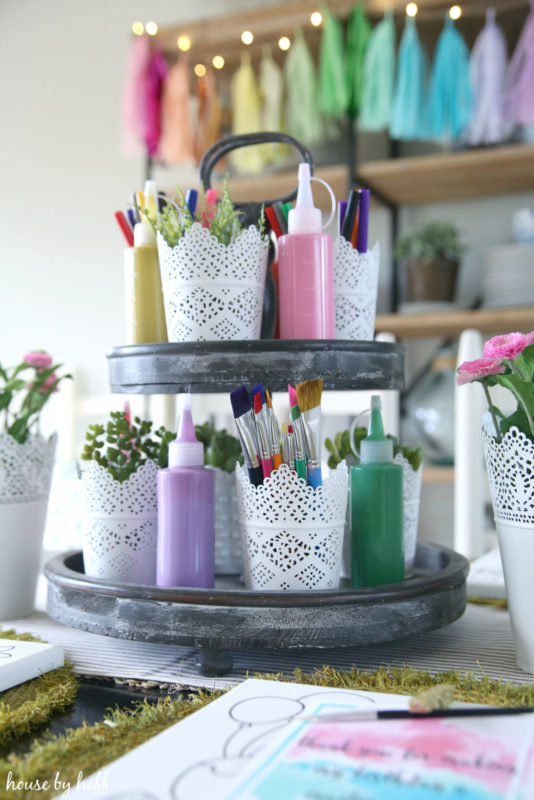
191	200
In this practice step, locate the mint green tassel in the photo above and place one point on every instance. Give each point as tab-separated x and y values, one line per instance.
358	33
378	76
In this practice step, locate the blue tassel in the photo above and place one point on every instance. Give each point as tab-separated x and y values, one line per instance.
450	89
411	87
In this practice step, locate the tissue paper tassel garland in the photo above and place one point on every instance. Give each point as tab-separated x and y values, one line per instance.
409	100
450	90
519	93
378	76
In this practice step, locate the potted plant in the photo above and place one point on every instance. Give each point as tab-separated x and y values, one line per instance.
432	257
26	463
221	452
346	445
119	466
508	361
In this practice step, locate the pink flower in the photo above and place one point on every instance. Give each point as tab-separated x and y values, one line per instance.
507	346
529	338
476	370
38	359
48	383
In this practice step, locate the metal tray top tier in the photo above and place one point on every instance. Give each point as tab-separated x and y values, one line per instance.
201	367
231	617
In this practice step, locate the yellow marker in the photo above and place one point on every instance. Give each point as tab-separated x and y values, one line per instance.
140	197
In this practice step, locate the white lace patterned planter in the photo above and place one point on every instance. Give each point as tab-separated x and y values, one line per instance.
25	477
26	469
213	291
355	290
228	552
411	500
292	533
510	465
120	524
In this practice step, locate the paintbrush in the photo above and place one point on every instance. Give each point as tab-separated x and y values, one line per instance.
369	716
309	402
246	428
262	426
298	434
275	432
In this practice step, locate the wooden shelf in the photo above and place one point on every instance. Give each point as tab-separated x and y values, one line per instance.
452	323
414	180
452	176
221	34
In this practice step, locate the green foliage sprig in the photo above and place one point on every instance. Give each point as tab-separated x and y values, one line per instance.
221	449
222	218
340	449
122	447
25	390
437	239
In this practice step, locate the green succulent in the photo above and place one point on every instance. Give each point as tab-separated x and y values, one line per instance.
340	449
122	447
436	240
221	449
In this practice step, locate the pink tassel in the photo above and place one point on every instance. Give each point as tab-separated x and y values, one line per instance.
133	108
519	93
156	74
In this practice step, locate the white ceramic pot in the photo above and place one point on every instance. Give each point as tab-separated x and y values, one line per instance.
510	465
25	477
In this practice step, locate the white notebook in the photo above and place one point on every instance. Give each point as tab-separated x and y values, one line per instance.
22	661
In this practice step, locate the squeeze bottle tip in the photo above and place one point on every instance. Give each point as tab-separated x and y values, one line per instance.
186	450
304	218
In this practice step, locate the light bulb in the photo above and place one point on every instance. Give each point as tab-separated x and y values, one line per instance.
284	43
218	62
183	43
199	70
151	28
411	9
138	28
455	12
316	19
247	37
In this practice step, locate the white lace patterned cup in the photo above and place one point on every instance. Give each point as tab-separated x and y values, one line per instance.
292	533
355	290
120	524
212	291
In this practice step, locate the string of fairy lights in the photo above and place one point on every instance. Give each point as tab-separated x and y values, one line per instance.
184	43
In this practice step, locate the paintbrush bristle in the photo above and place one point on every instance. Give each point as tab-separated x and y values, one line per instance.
292	392
268	398
257	402
240	401
309	394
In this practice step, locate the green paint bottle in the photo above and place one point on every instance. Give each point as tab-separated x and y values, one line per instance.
376	509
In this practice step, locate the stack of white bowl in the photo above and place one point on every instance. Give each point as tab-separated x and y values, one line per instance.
508	275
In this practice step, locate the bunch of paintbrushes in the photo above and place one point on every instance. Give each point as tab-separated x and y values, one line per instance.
265	446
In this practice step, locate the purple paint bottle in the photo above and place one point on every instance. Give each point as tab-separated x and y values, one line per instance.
186	500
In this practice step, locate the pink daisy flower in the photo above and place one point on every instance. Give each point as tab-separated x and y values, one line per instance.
477	370
509	345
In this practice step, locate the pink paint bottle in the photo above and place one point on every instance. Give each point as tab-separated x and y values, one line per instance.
306	269
186	499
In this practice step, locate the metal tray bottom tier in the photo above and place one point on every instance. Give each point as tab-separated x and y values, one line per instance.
230	617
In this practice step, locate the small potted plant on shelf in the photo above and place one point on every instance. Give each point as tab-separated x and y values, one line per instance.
26	464
119	495
221	452
346	445
432	256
